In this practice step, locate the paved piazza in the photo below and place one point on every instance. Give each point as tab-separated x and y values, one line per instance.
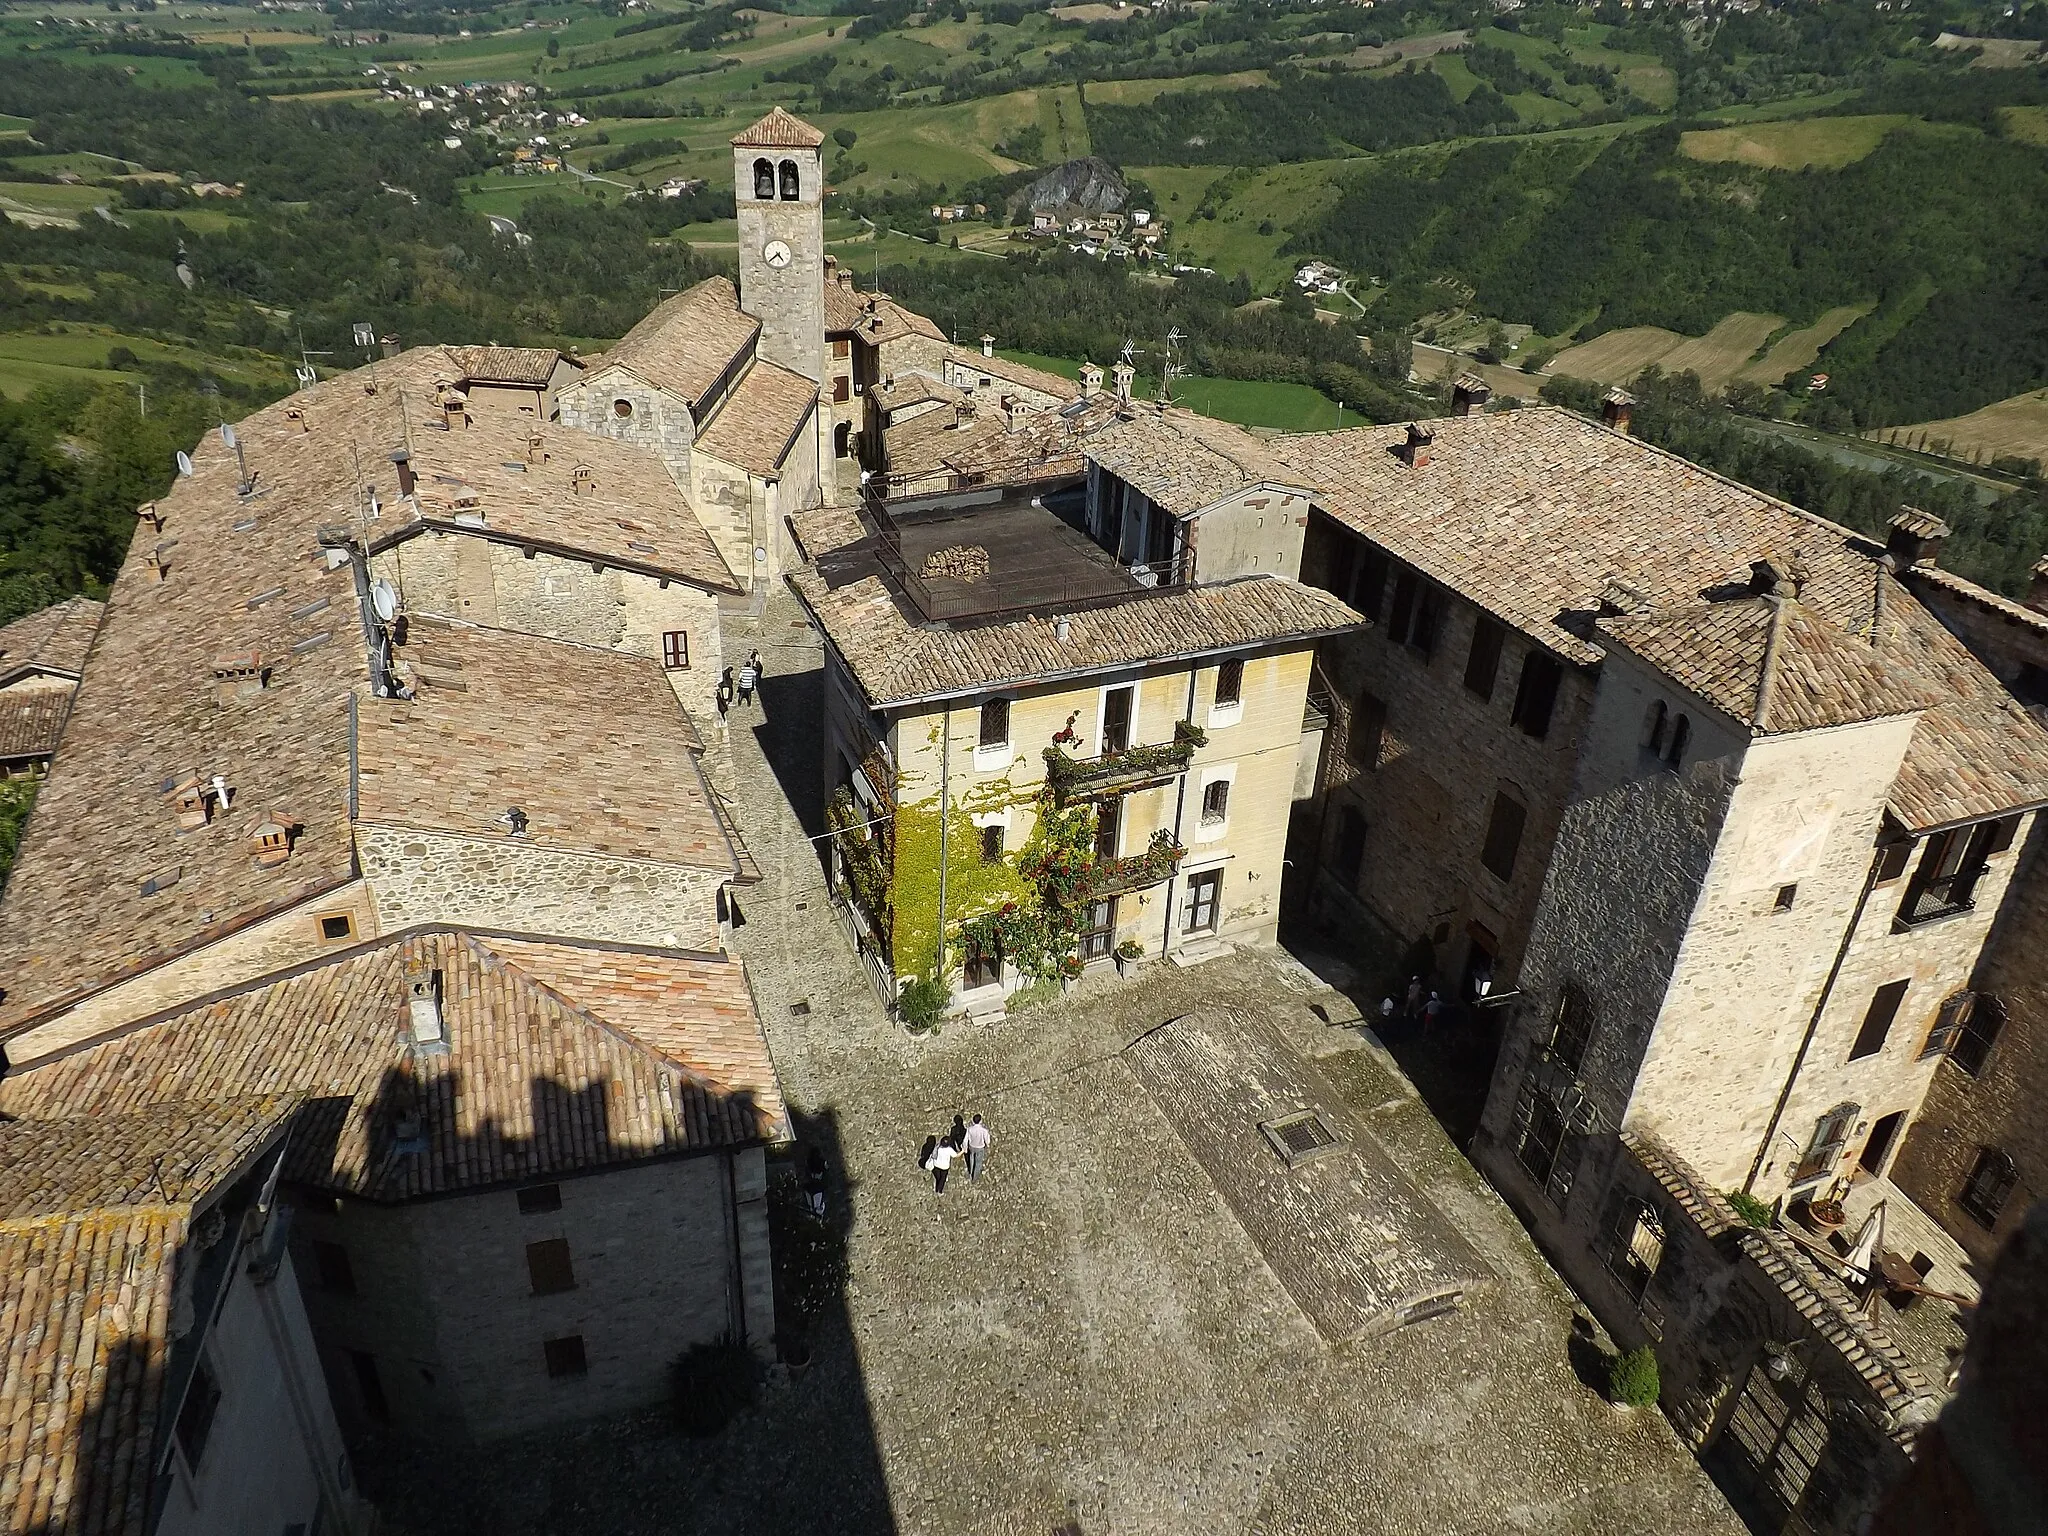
1088	1339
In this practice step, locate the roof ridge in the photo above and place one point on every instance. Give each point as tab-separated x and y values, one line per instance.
1767	674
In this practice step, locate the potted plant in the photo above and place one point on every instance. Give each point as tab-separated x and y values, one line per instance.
922	1004
1825	1216
1632	1379
1129	954
1070	972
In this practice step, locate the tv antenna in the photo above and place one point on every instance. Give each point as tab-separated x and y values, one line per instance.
1170	370
247	484
307	376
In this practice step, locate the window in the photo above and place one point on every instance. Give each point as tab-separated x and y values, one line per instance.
1098	930
1979	1032
764	181
1945	880
565	1356
1199	914
984	967
842	389
1536	693
1892	859
337	925
1656	721
538	1199
1681	738
1877	1021
1350	847
992	843
1482	665
1230	682
1638	1247
841	347
1571	1026
1116	720
1828	1138
1787	896
1369	585
1215	802
995	724
196	1414
791	188
622	408
1542	1142
547	1263
1985	1191
1368	731
675	649
369	1385
331	1266
1503	835
1418	612
1109	819
842	439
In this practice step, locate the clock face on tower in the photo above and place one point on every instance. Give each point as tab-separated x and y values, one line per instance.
776	254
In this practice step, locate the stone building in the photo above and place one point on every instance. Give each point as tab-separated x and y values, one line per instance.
526	1174
41	658
522	381
160	1377
1038	758
1719	805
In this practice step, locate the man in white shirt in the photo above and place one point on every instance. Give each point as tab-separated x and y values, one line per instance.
976	1142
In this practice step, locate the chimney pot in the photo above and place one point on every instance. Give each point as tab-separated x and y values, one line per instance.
1091	379
1123	374
988	346
148	512
1617	406
583	480
238	674
1469	394
270	840
188	803
403	459
1415	452
1915	537
295	415
388	345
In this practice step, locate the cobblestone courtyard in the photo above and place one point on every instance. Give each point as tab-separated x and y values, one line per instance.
1088	1335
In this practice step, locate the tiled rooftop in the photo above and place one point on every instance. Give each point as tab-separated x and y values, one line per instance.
52	639
982	449
559	1057
1531	513
1005	371
759	422
526	367
565	732
779	130
31	719
575	492
896	660
170	1153
1186	462
1772	665
685	344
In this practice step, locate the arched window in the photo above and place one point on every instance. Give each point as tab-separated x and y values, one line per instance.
842	438
1653	728
1990	1183
1681	737
764	180
1979	1032
790	186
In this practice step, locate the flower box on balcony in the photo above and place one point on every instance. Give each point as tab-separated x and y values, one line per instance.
1118	773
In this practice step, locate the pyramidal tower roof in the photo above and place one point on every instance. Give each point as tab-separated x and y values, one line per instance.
779	130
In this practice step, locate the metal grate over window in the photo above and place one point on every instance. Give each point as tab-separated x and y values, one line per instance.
1298	1137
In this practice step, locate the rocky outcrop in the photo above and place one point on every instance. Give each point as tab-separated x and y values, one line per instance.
1089	185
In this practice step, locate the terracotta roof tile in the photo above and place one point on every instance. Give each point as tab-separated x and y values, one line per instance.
558	1057
53	639
530	367
31	719
686	344
564	732
1186	462
896	661
1002	368
170	1153
779	130
760	420
824	529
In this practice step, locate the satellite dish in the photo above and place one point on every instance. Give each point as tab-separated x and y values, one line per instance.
384	598
366	335
227	434
184	464
307	377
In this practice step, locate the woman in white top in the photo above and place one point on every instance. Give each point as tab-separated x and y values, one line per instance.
941	1163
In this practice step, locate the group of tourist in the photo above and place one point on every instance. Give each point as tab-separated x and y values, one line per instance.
964	1140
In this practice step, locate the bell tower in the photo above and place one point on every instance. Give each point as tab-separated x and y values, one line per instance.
779	186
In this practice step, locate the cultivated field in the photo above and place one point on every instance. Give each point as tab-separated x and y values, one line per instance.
1827	142
2017	426
1726	353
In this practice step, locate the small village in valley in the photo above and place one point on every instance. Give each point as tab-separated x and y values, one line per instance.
795	925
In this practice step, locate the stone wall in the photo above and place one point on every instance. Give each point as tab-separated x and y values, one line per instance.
258	950
654	419
1427	795
443	1300
2003	1106
484	882
1257	534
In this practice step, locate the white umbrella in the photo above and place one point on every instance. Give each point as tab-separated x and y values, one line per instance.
1863	1251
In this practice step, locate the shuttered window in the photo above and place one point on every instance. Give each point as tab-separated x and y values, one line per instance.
1482	665
547	1263
1503	835
1877	1019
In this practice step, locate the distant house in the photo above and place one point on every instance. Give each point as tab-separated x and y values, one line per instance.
1140	217
41	658
1318	277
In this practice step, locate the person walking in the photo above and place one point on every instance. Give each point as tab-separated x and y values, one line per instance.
750	674
814	1184
1431	1012
958	1134
725	692
977	1139
940	1161
1413	1006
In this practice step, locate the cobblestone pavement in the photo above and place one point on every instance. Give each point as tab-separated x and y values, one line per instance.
1087	1335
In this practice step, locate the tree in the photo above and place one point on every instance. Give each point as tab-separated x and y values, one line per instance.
554	47
845	138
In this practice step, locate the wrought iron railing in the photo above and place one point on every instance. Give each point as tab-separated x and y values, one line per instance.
1117	773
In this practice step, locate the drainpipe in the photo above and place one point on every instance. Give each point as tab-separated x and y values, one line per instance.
945	782
1180	802
1813	1024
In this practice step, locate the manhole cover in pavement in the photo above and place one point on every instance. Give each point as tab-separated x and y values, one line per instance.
1299	1136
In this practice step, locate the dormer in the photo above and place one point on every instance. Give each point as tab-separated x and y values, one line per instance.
187	797
270	840
239	675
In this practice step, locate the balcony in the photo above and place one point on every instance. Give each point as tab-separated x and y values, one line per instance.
1156	865
1119	773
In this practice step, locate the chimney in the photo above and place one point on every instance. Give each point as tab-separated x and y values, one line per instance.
1616	407
403	459
846	278
159	566
1061	627
188	802
1469	394
1123	373
270	841
1091	379
238	675
423	1003
1014	412
536	449
1916	537
455	410
583	480
1618	597
988	346
149	513
2037	588
297	418
388	345
1415	452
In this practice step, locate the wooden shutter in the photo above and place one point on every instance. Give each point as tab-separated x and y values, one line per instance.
1503	835
1482	665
